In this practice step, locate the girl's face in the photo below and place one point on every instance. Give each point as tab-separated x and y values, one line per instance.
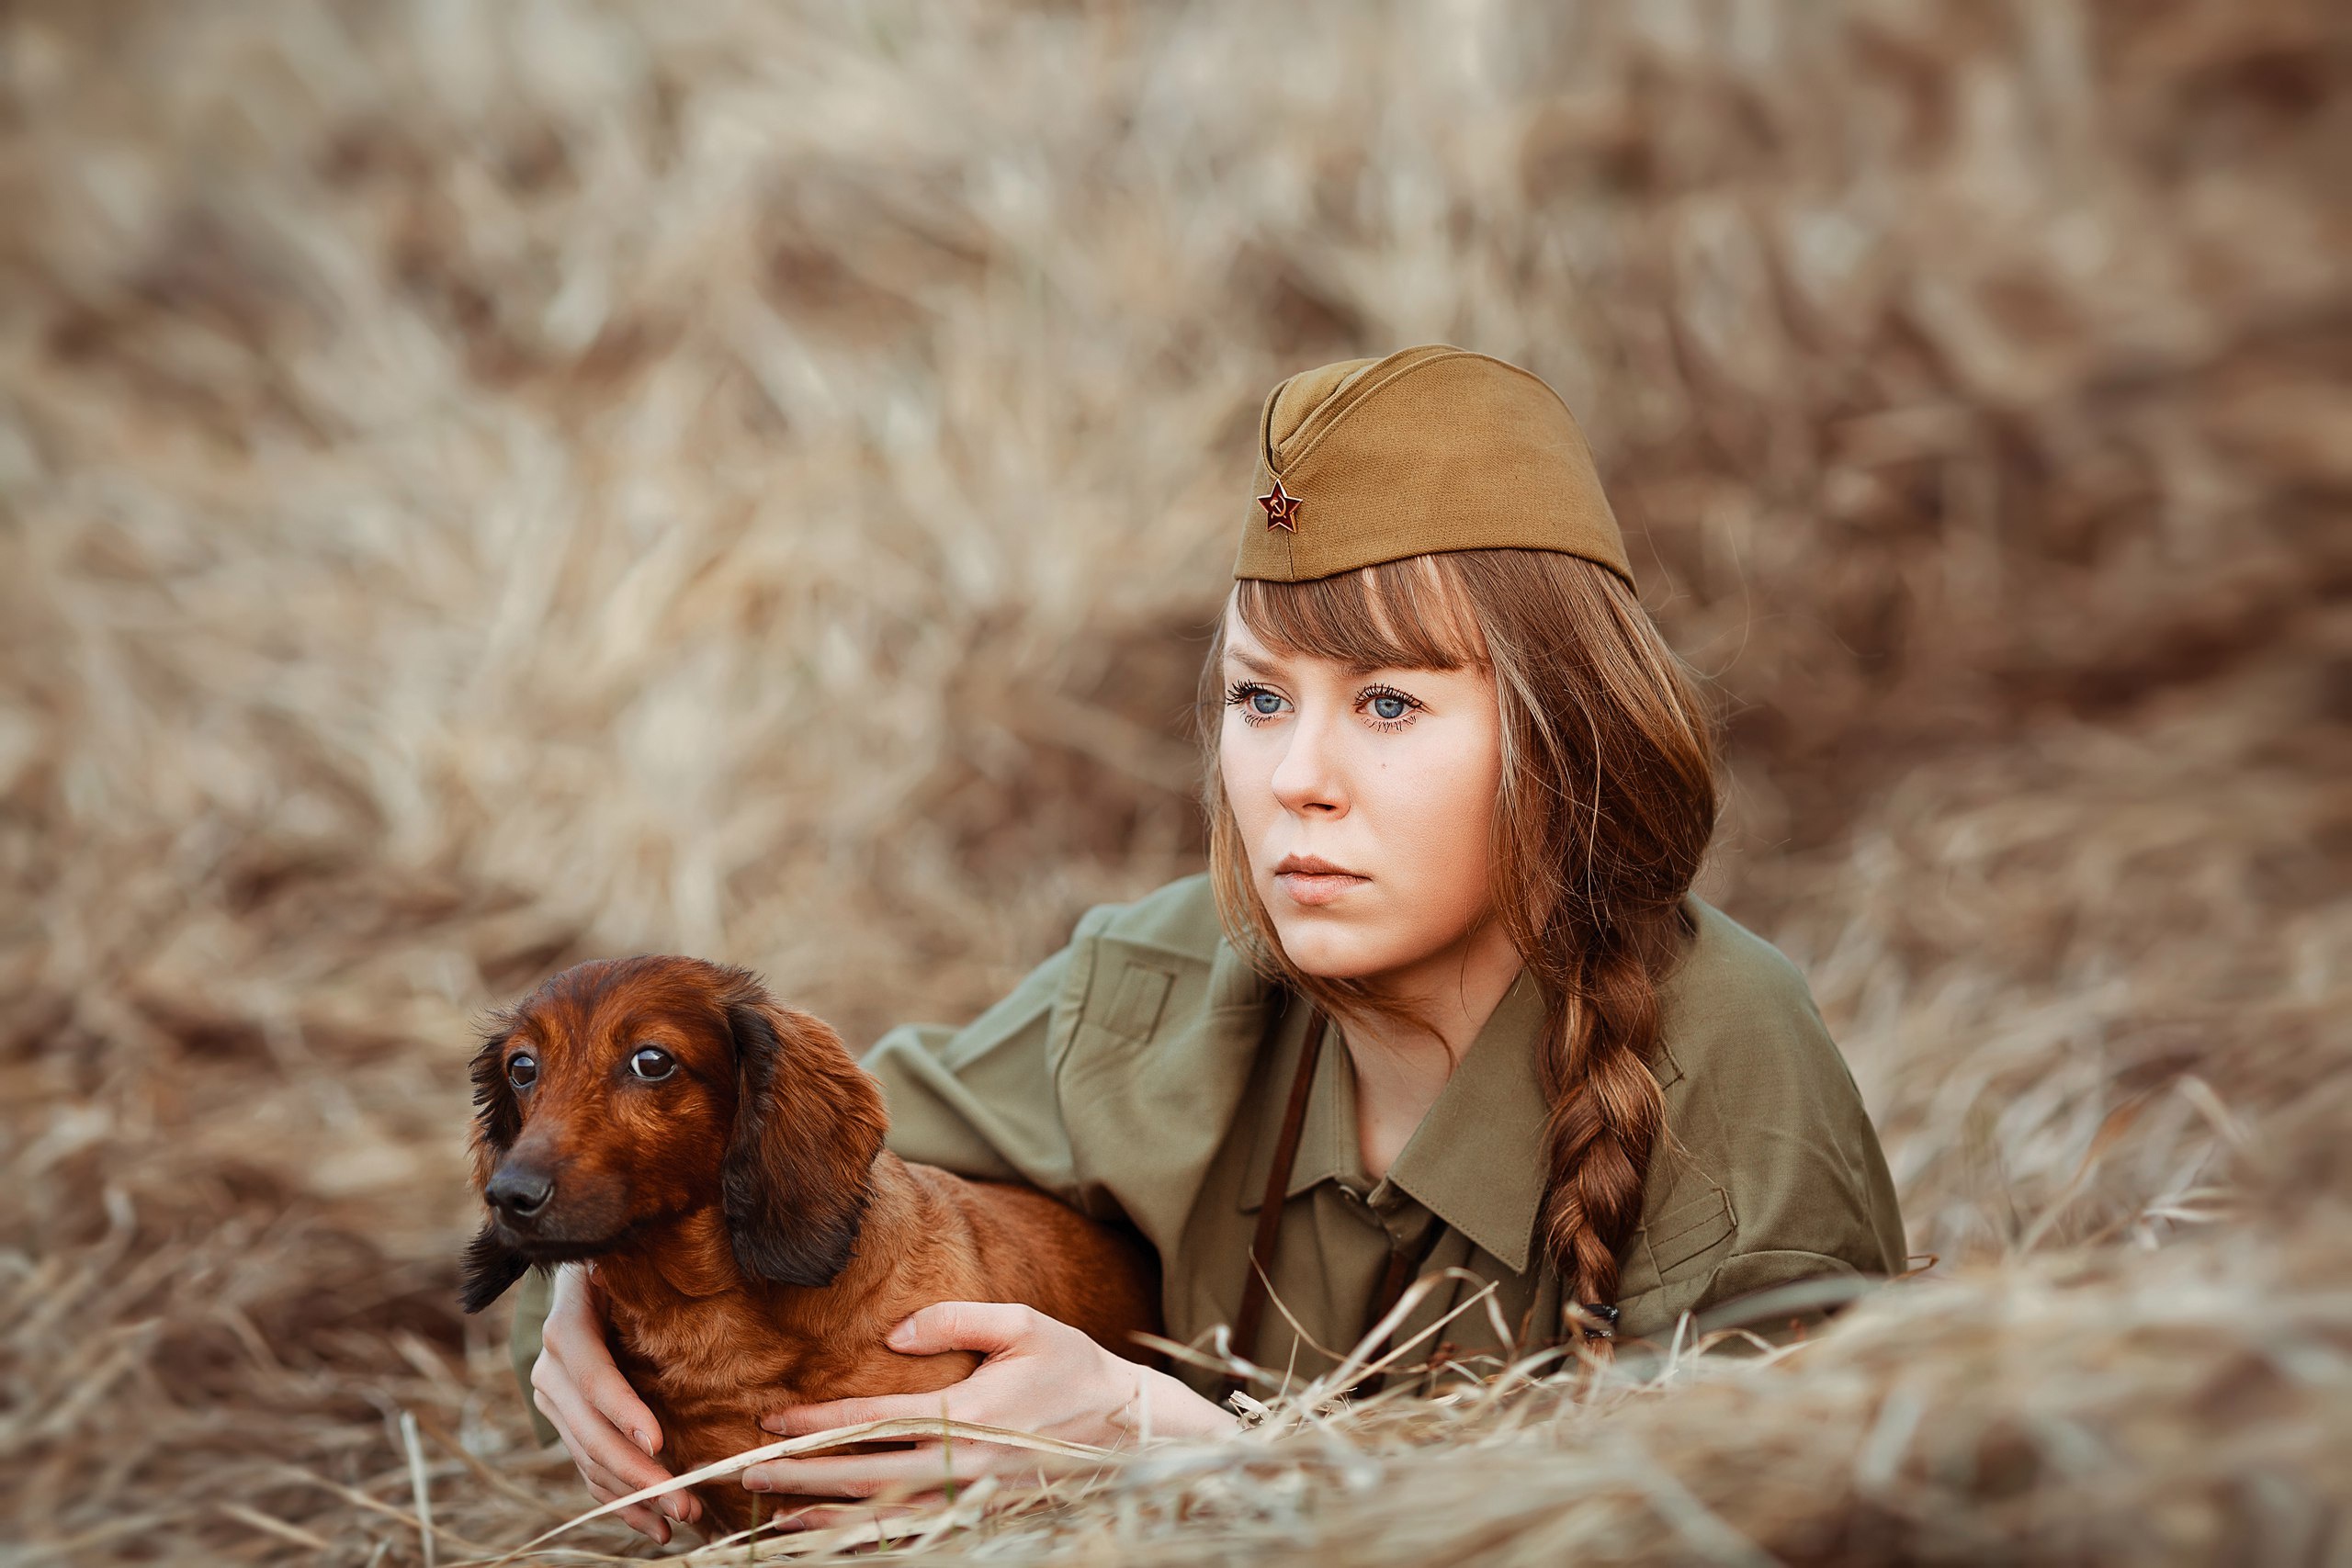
1365	798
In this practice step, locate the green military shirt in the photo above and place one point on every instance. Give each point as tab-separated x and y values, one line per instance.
1141	1073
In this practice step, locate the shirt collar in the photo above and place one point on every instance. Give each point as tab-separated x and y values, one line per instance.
1475	1161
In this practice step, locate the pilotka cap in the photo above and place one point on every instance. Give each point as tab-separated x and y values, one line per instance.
1431	448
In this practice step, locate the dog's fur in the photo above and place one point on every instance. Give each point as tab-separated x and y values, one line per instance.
754	1241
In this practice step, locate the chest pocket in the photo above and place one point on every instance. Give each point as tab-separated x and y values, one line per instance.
1137	1002
1688	1230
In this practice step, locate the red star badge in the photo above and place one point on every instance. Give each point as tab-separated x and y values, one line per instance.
1281	508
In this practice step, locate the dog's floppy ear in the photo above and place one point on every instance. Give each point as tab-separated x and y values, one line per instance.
490	1265
498	1119
808	1122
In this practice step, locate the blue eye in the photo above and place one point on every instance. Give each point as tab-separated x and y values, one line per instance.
1256	702
1390	707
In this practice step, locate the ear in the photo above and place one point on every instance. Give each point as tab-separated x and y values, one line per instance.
498	1119
808	1122
489	1267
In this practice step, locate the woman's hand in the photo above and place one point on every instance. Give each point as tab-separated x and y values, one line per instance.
1040	1376
609	1433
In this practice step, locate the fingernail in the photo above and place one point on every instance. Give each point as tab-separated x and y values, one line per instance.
754	1484
900	1336
675	1508
642	1440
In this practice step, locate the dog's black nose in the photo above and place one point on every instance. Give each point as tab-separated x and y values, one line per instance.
520	1195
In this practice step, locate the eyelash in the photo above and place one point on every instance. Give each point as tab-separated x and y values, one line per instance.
1374	693
1239	694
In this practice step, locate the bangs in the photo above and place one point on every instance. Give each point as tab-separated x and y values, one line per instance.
1403	614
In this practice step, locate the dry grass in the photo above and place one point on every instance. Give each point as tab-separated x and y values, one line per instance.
482	485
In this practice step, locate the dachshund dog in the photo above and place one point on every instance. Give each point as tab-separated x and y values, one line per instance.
720	1156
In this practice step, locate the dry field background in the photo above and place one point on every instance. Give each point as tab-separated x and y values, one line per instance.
482	486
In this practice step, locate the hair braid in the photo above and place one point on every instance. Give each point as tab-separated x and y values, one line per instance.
1606	1115
1592	871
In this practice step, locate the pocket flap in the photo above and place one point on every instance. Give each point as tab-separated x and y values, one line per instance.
1689	1229
1135	1005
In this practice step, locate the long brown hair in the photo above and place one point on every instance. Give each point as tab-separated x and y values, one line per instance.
1605	809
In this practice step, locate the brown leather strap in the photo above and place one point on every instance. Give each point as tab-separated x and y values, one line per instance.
1402	1267
1270	1211
1400	1272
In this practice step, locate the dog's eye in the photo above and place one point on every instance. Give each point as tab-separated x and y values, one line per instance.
652	1063
522	1071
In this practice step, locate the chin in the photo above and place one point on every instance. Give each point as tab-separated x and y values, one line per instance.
1330	951
566	1251
570	1244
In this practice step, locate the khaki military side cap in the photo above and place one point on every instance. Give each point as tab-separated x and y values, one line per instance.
1433	448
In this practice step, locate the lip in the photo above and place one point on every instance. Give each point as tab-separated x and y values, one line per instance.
1312	880
1313	865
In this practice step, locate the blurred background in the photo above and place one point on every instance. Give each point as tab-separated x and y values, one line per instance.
487	486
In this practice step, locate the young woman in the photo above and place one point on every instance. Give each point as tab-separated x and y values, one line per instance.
1442	1001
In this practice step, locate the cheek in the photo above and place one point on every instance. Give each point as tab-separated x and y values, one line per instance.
662	1125
1246	769
1437	809
1443	822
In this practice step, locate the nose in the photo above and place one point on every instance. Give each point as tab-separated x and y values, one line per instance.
519	1195
1307	778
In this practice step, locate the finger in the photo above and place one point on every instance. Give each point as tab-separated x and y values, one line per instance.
642	1518
573	1336
591	1428
646	1522
603	1457
572	1349
610	1395
985	1327
827	1516
596	1448
800	1420
638	1517
870	1475
607	1486
610	1488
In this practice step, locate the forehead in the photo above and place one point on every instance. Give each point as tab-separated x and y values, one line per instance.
590	999
1248	650
1352	622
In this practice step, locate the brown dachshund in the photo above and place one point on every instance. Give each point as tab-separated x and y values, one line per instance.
720	1156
